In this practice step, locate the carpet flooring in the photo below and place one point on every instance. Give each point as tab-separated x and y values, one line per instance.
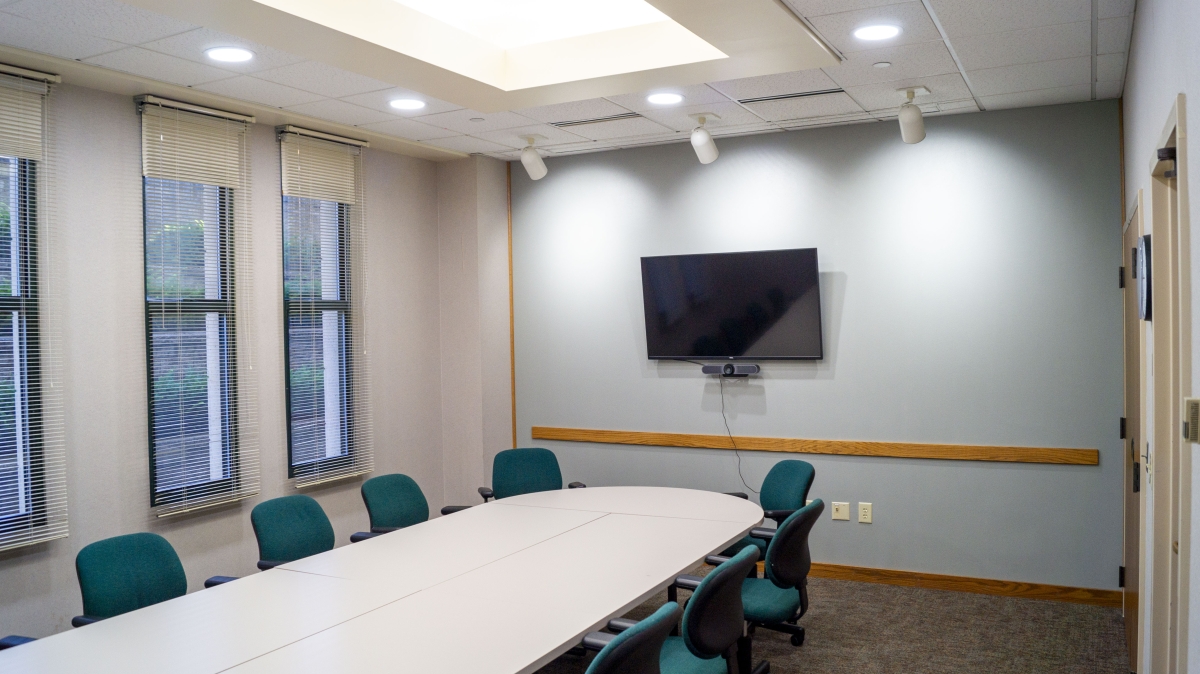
866	628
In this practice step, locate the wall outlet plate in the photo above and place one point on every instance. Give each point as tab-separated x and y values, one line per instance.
864	513
841	511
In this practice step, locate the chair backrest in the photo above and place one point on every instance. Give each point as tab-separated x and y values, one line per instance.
394	501
525	471
637	649
124	573
786	485
788	560
713	620
290	528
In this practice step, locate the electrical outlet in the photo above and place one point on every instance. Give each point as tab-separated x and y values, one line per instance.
864	513
841	511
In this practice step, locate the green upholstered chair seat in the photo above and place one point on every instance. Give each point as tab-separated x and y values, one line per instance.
290	528
764	602
677	659
124	573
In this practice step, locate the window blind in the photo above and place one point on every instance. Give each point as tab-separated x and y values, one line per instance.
329	423
201	371
33	504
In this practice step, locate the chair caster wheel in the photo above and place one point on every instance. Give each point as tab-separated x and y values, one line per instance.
797	640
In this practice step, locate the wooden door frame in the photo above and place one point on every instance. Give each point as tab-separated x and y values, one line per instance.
1135	406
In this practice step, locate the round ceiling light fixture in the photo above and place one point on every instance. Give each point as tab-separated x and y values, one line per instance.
883	64
407	104
665	99
881	32
229	54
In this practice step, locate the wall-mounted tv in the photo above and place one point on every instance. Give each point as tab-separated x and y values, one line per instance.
763	305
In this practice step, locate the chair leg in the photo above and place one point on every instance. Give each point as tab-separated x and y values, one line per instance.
745	655
797	631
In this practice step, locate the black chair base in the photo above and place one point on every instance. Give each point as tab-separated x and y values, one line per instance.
796	631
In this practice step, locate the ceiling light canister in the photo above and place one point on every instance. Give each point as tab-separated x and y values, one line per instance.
882	32
665	99
912	124
229	54
532	161
703	144
407	104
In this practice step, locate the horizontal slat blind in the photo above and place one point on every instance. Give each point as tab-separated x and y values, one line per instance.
329	423
33	502
201	372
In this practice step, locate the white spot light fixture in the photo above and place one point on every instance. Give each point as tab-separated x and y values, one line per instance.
229	54
912	124
532	161
702	141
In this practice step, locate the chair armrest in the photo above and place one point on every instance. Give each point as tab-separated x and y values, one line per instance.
620	624
81	620
14	640
384	530
218	580
486	493
762	533
716	560
450	510
688	582
264	565
739	494
778	515
360	536
596	641
576	485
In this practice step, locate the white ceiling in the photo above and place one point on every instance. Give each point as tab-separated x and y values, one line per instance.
970	54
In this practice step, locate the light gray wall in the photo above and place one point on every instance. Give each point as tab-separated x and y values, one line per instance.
99	252
969	296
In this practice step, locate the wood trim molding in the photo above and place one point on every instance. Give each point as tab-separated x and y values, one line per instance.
512	328
1002	588
903	450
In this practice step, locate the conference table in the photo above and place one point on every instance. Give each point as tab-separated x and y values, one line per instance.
502	587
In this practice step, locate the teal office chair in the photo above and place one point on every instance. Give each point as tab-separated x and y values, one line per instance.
290	528
124	573
14	640
521	471
638	649
784	491
393	502
779	600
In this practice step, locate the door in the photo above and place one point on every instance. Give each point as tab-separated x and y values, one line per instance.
1133	431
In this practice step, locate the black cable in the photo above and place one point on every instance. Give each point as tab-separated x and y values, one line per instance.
731	440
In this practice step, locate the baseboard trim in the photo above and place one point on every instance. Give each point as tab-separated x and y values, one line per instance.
903	450
1003	588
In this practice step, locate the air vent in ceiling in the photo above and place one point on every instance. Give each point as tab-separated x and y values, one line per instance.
581	122
784	97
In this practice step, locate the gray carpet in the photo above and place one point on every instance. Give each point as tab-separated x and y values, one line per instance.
865	628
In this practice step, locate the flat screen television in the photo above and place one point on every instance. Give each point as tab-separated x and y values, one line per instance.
762	305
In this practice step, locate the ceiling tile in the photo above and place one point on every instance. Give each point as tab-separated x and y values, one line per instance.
25	34
1110	67
1105	90
156	66
341	112
320	78
967	105
1113	35
191	46
873	97
1113	8
512	137
1044	43
467	144
744	129
259	91
1025	99
1031	76
908	61
914	22
808	106
594	108
695	95
961	18
731	114
827	120
378	100
620	128
811	8
776	85
107	19
461	121
410	129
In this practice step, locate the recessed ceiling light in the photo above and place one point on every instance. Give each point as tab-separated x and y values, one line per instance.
476	119
407	104
229	54
664	99
876	32
883	64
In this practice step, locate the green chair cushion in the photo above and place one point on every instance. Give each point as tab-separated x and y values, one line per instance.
290	528
125	573
677	659
525	471
763	602
394	501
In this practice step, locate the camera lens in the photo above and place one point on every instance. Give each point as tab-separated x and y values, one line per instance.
727	370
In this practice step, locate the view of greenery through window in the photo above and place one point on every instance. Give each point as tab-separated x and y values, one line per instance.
15	457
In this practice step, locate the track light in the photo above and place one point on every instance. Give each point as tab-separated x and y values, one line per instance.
912	125
702	143
534	166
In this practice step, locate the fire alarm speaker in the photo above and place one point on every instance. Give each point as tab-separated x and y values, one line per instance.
731	370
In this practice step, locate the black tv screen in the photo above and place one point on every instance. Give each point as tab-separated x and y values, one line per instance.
763	305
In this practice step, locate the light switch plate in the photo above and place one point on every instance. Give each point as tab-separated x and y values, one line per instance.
864	513
841	511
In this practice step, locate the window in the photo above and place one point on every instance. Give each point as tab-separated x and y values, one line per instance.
328	428
32	474
194	224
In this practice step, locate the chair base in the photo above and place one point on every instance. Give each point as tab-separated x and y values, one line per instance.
796	631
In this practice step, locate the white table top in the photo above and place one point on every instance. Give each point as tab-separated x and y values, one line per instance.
504	587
